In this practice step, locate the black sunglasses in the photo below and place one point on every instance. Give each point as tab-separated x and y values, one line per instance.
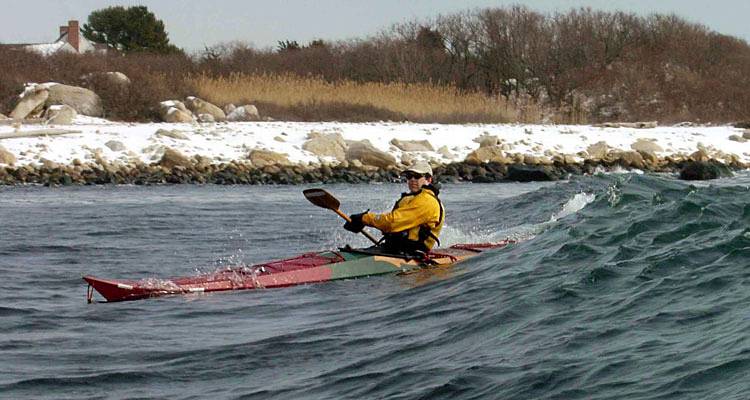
412	175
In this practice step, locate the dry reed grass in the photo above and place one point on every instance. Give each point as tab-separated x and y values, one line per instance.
415	102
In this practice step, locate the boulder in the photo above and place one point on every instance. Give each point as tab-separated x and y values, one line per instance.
113	78
326	145
3	117
412	145
199	106
737	138
529	159
445	152
174	134
82	100
649	157
700	155
635	125
746	134
229	108
367	154
487	140
487	154
704	170
598	150
175	115
646	145
32	102
631	159
60	114
206	118
263	158
115	145
175	111
173	158
244	113
7	157
117	77
526	173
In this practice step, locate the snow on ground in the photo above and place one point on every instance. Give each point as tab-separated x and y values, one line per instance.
224	142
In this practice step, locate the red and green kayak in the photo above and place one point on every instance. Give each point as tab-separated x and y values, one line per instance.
345	263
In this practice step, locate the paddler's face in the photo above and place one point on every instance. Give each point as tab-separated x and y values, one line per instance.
416	181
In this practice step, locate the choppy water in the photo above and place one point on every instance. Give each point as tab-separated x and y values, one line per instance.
621	287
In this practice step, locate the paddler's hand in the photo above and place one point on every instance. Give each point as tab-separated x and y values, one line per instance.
356	225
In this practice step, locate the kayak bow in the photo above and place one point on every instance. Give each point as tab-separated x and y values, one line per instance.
323	266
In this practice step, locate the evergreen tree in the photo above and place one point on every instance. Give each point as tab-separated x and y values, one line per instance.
128	29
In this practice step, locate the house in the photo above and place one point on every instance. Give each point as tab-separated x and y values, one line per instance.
69	40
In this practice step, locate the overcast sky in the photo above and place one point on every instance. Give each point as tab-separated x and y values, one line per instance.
193	24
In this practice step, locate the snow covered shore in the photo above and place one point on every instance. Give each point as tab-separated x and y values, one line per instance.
95	140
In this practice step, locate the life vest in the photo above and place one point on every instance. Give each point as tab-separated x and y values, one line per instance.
413	224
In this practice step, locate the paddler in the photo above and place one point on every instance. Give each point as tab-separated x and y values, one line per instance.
414	223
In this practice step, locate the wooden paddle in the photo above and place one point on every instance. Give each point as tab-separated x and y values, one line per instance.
323	199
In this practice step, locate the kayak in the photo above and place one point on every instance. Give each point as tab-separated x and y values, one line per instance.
346	263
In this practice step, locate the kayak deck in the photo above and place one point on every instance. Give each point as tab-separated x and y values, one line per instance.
306	268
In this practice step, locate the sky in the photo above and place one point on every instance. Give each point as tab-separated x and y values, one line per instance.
195	24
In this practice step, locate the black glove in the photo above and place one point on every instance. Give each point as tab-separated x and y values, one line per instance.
356	225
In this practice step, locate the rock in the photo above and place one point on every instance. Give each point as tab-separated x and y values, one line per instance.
646	145
636	125
445	152
412	145
3	117
486	140
704	170
60	115
262	158
367	154
598	150
650	158
529	159
701	155
113	78
117	77
83	100
7	157
407	159
244	113
630	159
486	154
326	145
199	106
115	145
32	102
175	111
174	134
49	164
173	158
526	173
206	118
229	108
746	134
737	138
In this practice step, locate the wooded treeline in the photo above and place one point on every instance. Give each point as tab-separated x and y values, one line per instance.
580	66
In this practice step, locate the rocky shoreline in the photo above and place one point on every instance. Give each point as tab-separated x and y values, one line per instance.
239	172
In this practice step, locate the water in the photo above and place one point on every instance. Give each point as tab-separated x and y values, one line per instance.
621	286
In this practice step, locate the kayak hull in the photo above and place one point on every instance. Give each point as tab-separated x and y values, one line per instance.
306	268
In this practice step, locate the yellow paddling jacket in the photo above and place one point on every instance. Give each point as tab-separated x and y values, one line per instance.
414	223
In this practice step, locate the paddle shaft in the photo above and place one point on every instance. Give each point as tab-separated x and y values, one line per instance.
346	217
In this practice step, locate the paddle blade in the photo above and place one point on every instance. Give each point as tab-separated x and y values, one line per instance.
321	198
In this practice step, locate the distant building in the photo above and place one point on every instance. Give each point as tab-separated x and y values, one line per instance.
69	40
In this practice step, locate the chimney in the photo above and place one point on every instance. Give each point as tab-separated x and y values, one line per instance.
74	34
63	30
